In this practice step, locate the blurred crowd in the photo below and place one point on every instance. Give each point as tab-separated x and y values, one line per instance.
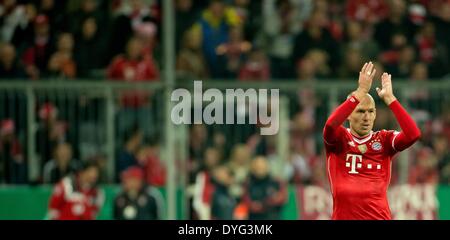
307	40
79	39
224	39
233	173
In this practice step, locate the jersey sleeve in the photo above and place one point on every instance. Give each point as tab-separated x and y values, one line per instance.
399	141
333	130
389	138
338	136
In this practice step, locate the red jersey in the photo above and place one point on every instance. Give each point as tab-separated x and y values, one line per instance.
143	70
70	203
359	169
155	172
366	10
133	70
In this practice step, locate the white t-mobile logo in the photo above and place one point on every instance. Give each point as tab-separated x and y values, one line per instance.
353	164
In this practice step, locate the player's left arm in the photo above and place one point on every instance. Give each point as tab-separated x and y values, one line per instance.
410	132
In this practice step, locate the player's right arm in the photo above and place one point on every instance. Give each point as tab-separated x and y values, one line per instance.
333	126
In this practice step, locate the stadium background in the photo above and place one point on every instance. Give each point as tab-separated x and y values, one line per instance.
63	62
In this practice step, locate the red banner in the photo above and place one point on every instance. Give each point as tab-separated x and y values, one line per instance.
413	202
407	202
314	203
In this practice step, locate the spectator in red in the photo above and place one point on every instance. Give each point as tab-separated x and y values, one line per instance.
148	157
77	197
62	63
369	11
134	66
36	57
10	68
256	68
12	162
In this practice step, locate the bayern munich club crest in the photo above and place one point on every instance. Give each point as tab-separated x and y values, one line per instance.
376	146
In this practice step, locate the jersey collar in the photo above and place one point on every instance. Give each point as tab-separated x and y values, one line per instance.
360	140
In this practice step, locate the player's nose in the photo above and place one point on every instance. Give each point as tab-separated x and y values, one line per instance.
366	116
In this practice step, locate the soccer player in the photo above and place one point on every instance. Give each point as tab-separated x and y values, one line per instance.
76	196
358	159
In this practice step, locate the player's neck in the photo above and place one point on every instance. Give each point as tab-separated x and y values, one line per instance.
355	134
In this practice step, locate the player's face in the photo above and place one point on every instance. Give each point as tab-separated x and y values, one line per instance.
133	184
363	117
90	176
260	167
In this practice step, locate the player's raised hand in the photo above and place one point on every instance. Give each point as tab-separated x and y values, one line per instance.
366	76
386	93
